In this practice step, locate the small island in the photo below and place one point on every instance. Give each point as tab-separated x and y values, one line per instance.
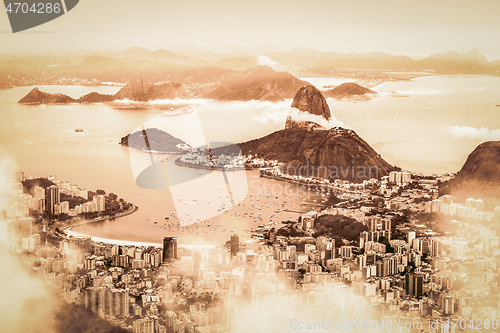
35	96
349	90
155	140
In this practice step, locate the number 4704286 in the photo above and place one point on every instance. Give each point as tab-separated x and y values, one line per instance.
37	8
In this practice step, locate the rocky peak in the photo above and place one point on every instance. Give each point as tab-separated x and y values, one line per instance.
134	90
310	100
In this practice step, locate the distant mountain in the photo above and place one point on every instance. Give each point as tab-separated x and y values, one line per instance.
123	70
348	89
201	66
324	63
160	55
35	96
258	83
235	63
153	139
140	90
309	100
453	61
335	153
479	176
139	52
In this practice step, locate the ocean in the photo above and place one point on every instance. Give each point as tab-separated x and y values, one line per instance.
426	125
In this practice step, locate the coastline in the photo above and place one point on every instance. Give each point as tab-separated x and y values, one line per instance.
133	243
69	232
131	210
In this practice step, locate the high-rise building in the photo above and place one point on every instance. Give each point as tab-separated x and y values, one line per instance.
470	202
392	176
23	227
386	224
373	222
406	176
449	305
99	202
52	198
479	205
497	217
414	284
435	248
38	192
346	251
411	237
19	176
144	325
82	244
169	249
235	244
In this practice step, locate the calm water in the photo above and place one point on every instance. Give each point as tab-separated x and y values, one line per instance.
431	130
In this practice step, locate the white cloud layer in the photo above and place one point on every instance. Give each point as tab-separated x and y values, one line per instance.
266	61
482	133
279	115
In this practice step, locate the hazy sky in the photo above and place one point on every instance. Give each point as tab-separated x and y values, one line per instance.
415	28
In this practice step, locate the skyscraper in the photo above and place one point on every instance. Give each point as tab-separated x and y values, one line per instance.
169	249
23	227
497	217
410	237
235	245
19	176
99	202
143	325
479	204
82	244
414	284
470	202
52	198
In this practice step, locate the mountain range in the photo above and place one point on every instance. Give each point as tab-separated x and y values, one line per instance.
256	83
444	63
200	66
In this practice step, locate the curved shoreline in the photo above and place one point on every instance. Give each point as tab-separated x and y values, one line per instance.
80	223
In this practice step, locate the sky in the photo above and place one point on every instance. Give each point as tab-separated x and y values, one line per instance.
414	28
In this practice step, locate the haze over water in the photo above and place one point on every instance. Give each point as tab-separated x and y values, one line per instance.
428	125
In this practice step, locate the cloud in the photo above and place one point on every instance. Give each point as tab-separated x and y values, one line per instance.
266	61
26	304
330	307
281	111
482	133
